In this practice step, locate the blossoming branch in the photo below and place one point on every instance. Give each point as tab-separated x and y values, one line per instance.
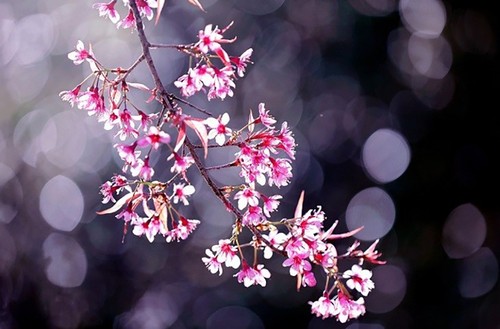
265	151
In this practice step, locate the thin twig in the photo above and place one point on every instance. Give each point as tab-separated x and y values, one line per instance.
168	102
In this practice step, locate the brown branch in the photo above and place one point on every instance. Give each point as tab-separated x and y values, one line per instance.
168	101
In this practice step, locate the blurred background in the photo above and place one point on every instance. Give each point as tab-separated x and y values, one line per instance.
394	105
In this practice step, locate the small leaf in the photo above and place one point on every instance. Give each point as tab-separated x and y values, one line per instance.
197	4
298	209
117	206
161	3
139	86
199	127
180	137
251	124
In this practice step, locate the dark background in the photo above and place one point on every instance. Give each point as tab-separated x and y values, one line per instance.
337	71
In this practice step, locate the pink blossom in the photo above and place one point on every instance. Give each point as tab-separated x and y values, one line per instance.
347	308
270	203
145	8
212	263
128	21
359	279
281	172
276	239
91	101
107	190
145	119
298	265
181	192
265	118
155	137
147	227
219	131
323	307
227	253
248	196
128	154
79	55
210	39
287	142
188	84
252	275
308	279
108	9
182	229
142	169
222	83
128	215
70	96
253	216
127	125
242	62
181	164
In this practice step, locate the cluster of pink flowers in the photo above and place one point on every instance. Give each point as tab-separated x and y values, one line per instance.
205	75
109	11
264	155
304	243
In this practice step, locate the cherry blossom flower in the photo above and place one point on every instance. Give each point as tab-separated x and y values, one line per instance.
347	308
188	85
222	83
219	131
227	253
212	263
181	192
155	137
108	9
80	55
128	214
248	196
147	227
182	229
359	279
265	118
70	96
142	169
252	275
242	62
323	307
128	21
253	216
276	239
210	38
181	164
270	203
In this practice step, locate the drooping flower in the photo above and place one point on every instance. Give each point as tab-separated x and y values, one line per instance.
108	10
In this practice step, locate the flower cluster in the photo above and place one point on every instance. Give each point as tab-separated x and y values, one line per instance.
109	11
205	75
304	243
263	152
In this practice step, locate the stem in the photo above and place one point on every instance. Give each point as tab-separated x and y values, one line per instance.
167	101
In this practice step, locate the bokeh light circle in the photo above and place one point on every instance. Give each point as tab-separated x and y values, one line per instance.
385	155
390	283
258	7
478	273
61	203
464	231
66	263
427	18
234	317
373	209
